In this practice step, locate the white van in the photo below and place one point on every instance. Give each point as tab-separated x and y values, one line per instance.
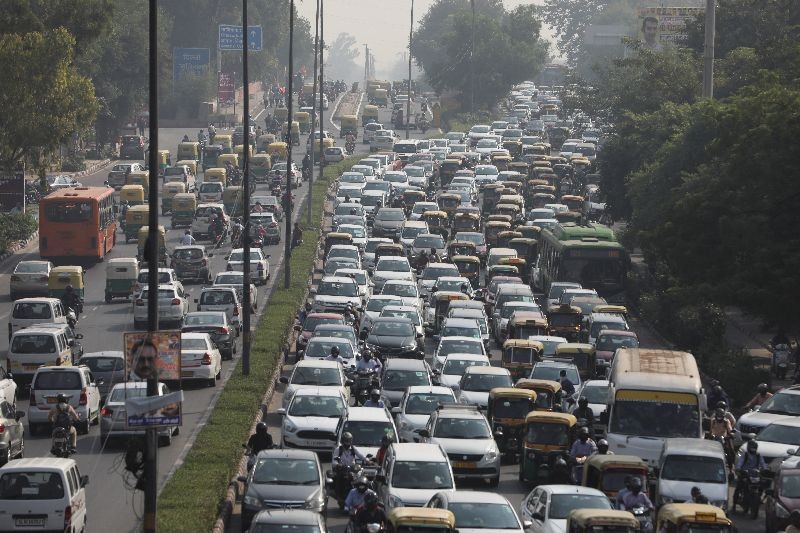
29	311
37	346
42	493
687	463
210	191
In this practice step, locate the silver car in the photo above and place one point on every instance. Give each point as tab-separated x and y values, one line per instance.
30	279
113	415
108	368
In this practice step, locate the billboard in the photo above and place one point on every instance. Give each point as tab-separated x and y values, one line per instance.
153	354
225	88
664	26
12	189
192	61
230	37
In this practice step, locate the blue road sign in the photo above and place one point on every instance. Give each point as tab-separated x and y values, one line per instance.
230	37
193	61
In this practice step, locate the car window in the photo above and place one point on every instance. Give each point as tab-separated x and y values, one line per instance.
35	485
32	311
57	380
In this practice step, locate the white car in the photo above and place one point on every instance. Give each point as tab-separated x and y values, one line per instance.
202	218
391	268
381	142
259	265
456	364
76	383
361	278
478	511
410	230
359	234
368	426
373	309
311	419
316	374
334	293
8	388
451	345
415	408
172	305
320	348
776	439
477	381
434	271
784	404
406	290
416	176
547	506
421	207
29	279
477	132
165	276
200	358
235	279
333	154
356	179
62	182
210	191
370	130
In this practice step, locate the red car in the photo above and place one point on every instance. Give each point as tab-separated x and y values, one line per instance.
782	499
609	340
311	322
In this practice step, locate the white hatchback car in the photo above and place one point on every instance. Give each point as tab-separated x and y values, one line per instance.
314	374
172	305
259	265
415	408
414	472
312	416
456	364
548	506
200	358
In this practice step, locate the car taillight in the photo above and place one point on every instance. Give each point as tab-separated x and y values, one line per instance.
105	411
223	330
206	358
176	301
2	429
67	517
235	311
139	302
84	398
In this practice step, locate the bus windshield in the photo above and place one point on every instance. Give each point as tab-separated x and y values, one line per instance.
72	211
655	418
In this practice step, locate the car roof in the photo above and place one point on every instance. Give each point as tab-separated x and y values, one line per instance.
400	308
463	322
493	370
623	332
105	353
289	453
299	517
405	364
417	451
317	363
194	335
208	313
460	338
556	364
456	411
431	389
38	463
596	383
367	414
338	279
317	391
467	356
334	340
571	489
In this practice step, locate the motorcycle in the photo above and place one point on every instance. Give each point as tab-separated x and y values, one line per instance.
349	147
60	446
363	384
780	360
749	497
423	126
72	318
643	516
342	479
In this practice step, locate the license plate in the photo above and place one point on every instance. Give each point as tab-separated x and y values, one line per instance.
30	367
320	444
29	522
187	374
51	399
464	464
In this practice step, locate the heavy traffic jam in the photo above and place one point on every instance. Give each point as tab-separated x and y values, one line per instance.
466	322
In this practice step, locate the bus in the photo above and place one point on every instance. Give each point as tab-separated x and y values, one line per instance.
653	395
588	254
77	223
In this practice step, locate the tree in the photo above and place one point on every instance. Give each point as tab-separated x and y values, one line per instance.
340	61
85	20
44	99
569	20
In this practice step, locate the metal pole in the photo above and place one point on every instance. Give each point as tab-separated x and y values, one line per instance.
408	92
314	117
708	50
472	64
287	271
245	238
321	87
152	246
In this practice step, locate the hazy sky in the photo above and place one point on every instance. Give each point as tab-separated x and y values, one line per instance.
383	24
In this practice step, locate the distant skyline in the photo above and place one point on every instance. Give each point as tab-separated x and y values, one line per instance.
383	24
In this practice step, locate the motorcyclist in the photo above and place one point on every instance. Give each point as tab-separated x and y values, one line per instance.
422	260
720	425
624	491
750	460
260	440
584	411
187	238
71	300
717	395
386	441
236	231
350	138
257	208
301	316
355	498
201	136
368	362
371	513
123	209
637	498
297	235
334	355
217	226
186	138
63	416
346	454
602	447
566	384
562	474
581	449
306	164
212	133
728	415
761	396
433	257
374	399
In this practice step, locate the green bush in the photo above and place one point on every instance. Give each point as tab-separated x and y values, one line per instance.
16	227
73	164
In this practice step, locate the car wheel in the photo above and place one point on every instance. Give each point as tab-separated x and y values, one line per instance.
165	440
212	382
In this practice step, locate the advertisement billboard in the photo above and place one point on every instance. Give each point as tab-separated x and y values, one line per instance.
153	354
664	26
225	88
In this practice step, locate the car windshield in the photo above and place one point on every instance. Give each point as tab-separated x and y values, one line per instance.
596	394
336	288
393	329
385	214
462	428
422	475
396	178
437	272
323	348
428	241
475	238
30	267
368	433
507	310
562	504
218	297
414	172
668	418
425	404
487	143
790	485
462	331
392	265
410	314
355	177
694	469
104	364
323	406
229	279
400	289
376	304
32	311
781	434
452	285
324	377
480	129
610	343
482	515
457	367
782	403
550	348
551	373
411	232
447	346
272	527
399	380
119	394
484	382
33	485
421	207
193	344
284	471
313	321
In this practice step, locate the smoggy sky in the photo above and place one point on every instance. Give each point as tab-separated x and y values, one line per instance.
383	24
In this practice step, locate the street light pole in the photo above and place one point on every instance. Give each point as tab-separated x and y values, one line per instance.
287	269
245	238
708	49
314	117
408	92
472	64
321	92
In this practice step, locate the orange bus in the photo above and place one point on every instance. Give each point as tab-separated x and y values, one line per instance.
77	223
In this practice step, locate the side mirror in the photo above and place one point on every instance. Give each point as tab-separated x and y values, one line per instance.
348	383
242	479
538	516
79	335
790	451
313	290
84	481
284	380
748	436
281	411
424	433
527	524
395	410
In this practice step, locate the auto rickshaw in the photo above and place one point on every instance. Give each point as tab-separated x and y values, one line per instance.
388	249
568	216
530	232
573	202
440	302
420	519
524	325
456	248
527	249
381	98
683	517
506	412
141	242
541	199
232	198
184	206
139	177
135	218
469	266
231	158
546	437
505	237
520	166
513	210
226	141
580	354
548	393
189	150
260	165
519	355
61	276
619	310
263	141
369	114
501	162
295	132
239	151
303	119
280	114
501	270
336	237
348	125
605	520
210	155
565	321
449	202
164	161
514	148
544	188
496	217
188	163
121	276
510	188
412	196
581	164
607	473
168	192
466	222
492	230
491	194
133	194
278	151
218	174
438	222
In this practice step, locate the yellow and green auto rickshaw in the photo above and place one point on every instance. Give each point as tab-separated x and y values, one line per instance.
438	222
573	202
189	151
168	192
139	177
232	198
541	199
469	266
601	520
524	324
260	165
420	520
565	321
278	151
217	174
501	161
506	412
530	232
619	310
381	98
504	237
231	158
548	393
440	303
141	242
448	169
61	276
264	141
184	206
522	266
466	222
389	249
527	249
520	166
121	276
455	248
688	517
582	355
211	154
335	238
547	436
568	216
303	119
501	270
164	161
512	210
135	218
514	149
491	194
607	473
369	114
348	125
519	356
295	132
133	194
449	202
239	151
226	141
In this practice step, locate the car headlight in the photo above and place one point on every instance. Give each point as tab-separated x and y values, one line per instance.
252	501
288	426
491	455
781	511
410	346
394	501
315	501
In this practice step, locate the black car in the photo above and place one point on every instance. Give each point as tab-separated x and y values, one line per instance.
215	323
191	262
395	337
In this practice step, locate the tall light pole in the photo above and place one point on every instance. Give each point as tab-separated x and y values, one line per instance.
408	101
246	304
472	64
287	270
314	117
321	87
708	49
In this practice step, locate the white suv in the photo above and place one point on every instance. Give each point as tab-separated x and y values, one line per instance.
408	466
75	382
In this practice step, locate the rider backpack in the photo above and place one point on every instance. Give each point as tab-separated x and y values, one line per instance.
63	419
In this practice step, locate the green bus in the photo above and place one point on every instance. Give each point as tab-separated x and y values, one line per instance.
587	254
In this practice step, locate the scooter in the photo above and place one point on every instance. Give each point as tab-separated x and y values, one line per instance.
60	446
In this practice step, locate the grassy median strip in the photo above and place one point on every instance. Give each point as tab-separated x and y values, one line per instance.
190	500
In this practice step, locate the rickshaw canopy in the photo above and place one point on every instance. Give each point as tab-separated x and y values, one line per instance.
461	249
188	163
599	518
218	175
423	517
681	513
133	194
551	417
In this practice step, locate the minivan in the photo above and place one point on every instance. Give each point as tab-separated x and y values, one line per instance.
687	463
29	311
37	346
77	383
42	493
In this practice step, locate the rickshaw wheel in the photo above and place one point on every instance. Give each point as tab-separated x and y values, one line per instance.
108	297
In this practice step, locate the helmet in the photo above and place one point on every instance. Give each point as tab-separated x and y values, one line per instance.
719	414
375	394
68	288
560	462
717	389
752	446
386	440
62	398
261	428
370	499
433	250
636	484
347	438
602	445
362	484
583	401
762	388
583	432
722	404
367	355
308	306
334	350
